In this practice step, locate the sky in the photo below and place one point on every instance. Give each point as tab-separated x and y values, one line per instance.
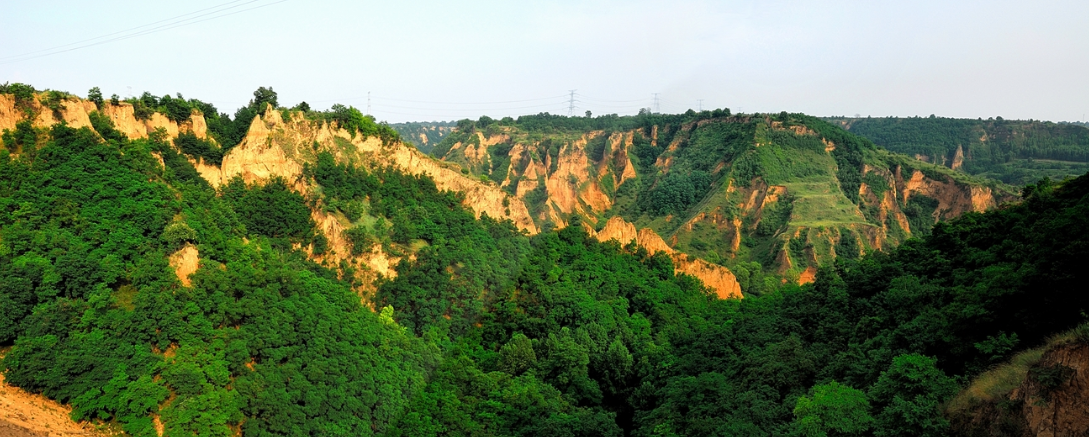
448	60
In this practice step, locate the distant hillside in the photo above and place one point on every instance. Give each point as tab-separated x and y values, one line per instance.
1017	152
779	193
424	135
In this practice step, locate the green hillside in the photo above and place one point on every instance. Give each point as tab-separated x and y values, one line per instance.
424	135
488	331
1017	152
773	193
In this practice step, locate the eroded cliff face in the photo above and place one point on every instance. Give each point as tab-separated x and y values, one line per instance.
26	414
75	113
277	147
1050	401
274	147
953	199
718	278
813	221
185	262
576	182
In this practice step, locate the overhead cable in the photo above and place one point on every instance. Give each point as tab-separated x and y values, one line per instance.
172	23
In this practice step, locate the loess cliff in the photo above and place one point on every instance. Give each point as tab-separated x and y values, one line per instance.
790	192
1041	393
716	277
275	146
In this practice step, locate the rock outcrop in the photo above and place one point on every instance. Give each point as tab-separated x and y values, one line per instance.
185	262
76	113
718	278
275	147
1048	402
564	174
26	414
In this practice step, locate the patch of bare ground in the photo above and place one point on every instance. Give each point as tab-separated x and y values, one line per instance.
28	415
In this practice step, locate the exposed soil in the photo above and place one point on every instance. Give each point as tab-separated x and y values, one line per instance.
27	415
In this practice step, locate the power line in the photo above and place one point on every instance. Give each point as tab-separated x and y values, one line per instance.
118	32
155	29
380	105
379	97
610	101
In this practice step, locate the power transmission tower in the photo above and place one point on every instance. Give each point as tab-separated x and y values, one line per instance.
571	104
368	103
701	104
657	107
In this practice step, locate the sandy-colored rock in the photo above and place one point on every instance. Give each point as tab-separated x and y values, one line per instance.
958	158
1063	411
185	262
75	113
275	147
124	120
953	199
808	275
8	114
197	124
718	278
22	413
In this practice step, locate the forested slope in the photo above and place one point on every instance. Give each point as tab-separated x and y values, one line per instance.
1017	152
484	329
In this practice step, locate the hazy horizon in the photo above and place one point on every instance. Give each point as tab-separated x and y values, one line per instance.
426	60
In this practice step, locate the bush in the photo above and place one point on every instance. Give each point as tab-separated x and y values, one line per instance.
361	240
189	144
176	234
54	100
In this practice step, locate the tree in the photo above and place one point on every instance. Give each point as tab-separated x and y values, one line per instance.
261	97
95	95
517	355
832	409
909	397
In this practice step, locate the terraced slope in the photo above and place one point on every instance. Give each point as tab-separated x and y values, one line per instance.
787	192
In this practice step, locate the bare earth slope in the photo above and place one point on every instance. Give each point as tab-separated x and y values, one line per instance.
24	414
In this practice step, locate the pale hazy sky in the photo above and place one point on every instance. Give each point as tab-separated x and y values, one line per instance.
445	60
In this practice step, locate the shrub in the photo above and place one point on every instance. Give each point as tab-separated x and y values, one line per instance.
54	100
189	144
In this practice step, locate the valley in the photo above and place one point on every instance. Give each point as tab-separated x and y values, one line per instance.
167	269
